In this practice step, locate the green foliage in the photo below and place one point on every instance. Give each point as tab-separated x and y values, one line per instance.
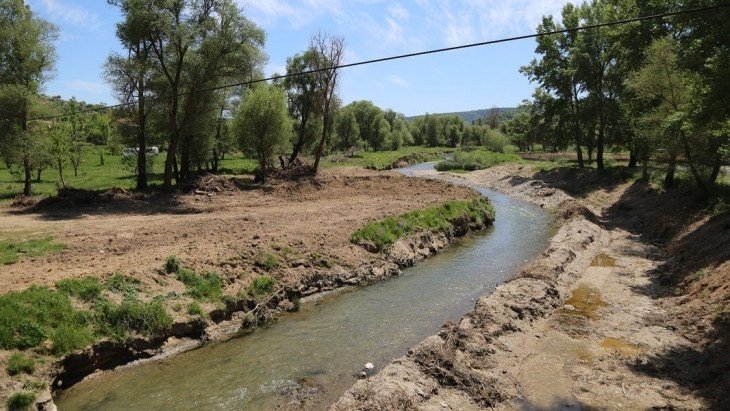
266	261
386	232
29	317
21	401
123	284
172	264
261	286
85	289
207	286
379	160
18	364
195	309
12	251
132	316
69	337
475	160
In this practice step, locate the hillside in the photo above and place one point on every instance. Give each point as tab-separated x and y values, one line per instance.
469	116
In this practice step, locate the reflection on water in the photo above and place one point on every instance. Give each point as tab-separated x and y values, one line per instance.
317	350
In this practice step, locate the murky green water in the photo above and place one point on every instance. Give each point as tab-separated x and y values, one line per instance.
318	349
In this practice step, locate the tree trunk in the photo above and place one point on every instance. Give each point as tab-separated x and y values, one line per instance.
692	168
38	176
632	157
599	149
671	167
60	173
28	171
716	166
172	148
320	148
141	139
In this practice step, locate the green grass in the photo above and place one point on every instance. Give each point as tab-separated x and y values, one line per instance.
382	159
266	261
21	401
85	289
123	284
195	309
386	232
19	364
94	176
261	286
12	251
476	160
207	286
121	320
30	317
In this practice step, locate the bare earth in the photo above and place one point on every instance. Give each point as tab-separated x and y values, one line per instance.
597	322
221	229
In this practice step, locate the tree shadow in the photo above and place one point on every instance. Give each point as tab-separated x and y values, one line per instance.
580	182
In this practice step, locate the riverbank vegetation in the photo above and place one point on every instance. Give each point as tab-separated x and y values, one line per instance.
386	232
463	160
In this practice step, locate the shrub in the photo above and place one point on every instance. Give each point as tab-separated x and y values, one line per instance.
172	264
119	321
262	285
494	140
386	232
124	285
29	317
18	364
21	401
475	160
86	289
265	261
208	286
195	309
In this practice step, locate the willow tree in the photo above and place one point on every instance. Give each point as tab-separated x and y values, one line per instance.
329	52
26	62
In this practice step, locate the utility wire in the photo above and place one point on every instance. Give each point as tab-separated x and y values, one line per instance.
416	54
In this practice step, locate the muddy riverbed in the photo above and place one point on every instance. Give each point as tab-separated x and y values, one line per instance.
308	359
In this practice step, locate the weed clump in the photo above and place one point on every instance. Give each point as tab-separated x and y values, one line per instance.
386	232
261	286
125	285
207	286
19	364
195	309
85	289
172	265
265	261
21	401
121	320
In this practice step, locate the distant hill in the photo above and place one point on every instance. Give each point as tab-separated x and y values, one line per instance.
469	116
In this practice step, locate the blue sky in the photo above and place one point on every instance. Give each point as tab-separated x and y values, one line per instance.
455	81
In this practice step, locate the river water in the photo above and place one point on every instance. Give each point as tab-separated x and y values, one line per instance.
318	349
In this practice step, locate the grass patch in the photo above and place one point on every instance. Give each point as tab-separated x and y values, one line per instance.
208	286
85	289
30	317
261	286
21	401
19	364
125	285
11	251
383	159
266	261
195	309
476	160
386	232
121	320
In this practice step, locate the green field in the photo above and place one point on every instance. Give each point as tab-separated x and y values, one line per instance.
94	176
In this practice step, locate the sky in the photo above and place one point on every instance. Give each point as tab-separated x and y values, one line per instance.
462	80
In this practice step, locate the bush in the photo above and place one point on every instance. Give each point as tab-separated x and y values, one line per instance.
386	232
208	286
475	160
18	364
262	285
119	321
21	401
195	309
172	265
265	261
29	317
494	140
85	289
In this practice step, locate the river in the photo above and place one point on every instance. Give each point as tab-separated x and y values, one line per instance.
316	351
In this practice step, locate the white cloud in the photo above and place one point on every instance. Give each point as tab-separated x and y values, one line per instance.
397	80
70	12
87	86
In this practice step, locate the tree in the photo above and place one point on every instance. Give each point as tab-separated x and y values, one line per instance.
329	54
348	131
262	124
26	61
60	146
303	93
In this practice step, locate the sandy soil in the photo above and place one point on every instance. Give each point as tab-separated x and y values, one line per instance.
599	321
220	229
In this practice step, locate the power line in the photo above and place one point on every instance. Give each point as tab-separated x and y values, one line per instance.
416	54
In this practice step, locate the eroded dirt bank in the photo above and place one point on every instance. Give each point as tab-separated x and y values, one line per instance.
627	308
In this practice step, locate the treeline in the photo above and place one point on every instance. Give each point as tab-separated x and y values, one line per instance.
657	88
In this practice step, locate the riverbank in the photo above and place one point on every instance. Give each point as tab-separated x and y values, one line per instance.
297	234
627	308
